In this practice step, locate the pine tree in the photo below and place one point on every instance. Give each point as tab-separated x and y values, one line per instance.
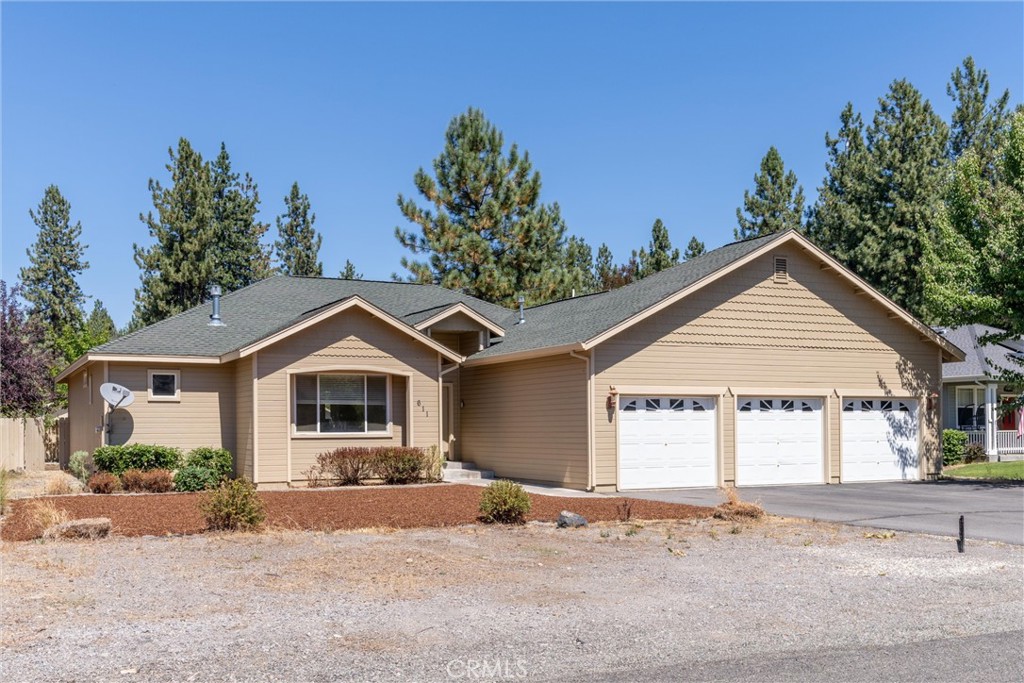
776	204
26	382
349	272
879	204
977	124
485	231
56	260
604	268
99	326
578	269
298	249
659	253
694	249
240	257
178	270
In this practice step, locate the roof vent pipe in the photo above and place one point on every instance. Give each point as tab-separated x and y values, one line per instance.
215	320
522	314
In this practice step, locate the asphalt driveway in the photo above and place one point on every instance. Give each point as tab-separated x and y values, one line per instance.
993	512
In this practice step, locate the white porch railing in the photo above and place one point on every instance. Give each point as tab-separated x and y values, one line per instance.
975	437
1008	442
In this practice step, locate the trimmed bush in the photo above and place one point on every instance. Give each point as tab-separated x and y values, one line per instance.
81	466
347	466
433	464
975	452
133	481
399	465
233	506
104	482
954	445
217	459
157	481
139	456
194	478
504	502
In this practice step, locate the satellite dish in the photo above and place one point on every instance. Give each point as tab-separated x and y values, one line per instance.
116	395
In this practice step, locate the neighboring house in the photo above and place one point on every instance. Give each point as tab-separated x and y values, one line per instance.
762	362
976	402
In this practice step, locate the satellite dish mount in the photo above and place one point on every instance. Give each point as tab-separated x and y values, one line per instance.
116	396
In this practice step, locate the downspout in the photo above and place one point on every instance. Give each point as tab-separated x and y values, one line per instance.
590	418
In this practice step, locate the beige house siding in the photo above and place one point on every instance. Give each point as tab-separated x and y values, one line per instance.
244	427
748	334
84	416
527	419
352	340
205	415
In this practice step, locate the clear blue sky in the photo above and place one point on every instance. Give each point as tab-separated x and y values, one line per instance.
630	112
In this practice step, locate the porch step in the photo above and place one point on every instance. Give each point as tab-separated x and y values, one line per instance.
460	471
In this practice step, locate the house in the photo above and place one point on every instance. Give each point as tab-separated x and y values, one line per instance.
974	400
761	362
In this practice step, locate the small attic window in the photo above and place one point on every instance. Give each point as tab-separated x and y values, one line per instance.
781	269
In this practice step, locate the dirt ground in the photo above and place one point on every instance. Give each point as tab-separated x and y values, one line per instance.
539	602
31	484
327	510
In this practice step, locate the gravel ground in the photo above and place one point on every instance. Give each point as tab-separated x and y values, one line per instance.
529	603
31	484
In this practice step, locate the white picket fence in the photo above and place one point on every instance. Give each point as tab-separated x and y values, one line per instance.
28	444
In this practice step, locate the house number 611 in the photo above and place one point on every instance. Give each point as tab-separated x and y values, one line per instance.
419	404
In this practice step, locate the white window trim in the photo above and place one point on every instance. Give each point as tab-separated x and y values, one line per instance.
296	434
976	398
177	386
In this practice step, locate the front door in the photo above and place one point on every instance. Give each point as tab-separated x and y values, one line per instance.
447	422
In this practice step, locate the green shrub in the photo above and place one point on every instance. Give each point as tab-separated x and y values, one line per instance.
195	478
133	481
347	466
954	444
217	459
81	466
233	506
399	465
975	452
157	481
505	502
138	456
104	482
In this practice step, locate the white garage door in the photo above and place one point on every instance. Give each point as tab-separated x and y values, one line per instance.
779	441
880	440
666	442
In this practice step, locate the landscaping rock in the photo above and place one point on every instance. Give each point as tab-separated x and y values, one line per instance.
94	527
571	519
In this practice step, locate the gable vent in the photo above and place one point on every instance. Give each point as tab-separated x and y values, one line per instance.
781	269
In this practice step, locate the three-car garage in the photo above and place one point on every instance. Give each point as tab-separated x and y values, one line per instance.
677	441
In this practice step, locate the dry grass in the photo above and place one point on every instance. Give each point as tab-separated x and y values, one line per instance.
58	487
5	489
45	514
734	508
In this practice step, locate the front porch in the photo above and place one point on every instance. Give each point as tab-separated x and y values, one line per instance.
984	412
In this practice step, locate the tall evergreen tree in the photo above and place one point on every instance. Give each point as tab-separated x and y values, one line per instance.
298	249
659	253
578	269
604	268
349	272
99	326
977	123
178	270
486	231
776	204
240	257
694	249
56	260
880	201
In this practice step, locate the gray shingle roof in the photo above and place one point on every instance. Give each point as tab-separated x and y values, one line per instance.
576	320
979	356
271	305
266	307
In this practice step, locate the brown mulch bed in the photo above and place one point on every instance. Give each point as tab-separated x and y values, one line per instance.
358	508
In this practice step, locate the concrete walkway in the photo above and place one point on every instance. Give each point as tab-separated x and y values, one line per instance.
992	511
537	488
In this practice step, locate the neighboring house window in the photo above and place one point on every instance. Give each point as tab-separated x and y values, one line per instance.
164	385
348	404
970	407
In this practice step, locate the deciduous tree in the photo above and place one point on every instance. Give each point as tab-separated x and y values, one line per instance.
26	386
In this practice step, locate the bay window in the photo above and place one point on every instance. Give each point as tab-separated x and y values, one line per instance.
341	403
